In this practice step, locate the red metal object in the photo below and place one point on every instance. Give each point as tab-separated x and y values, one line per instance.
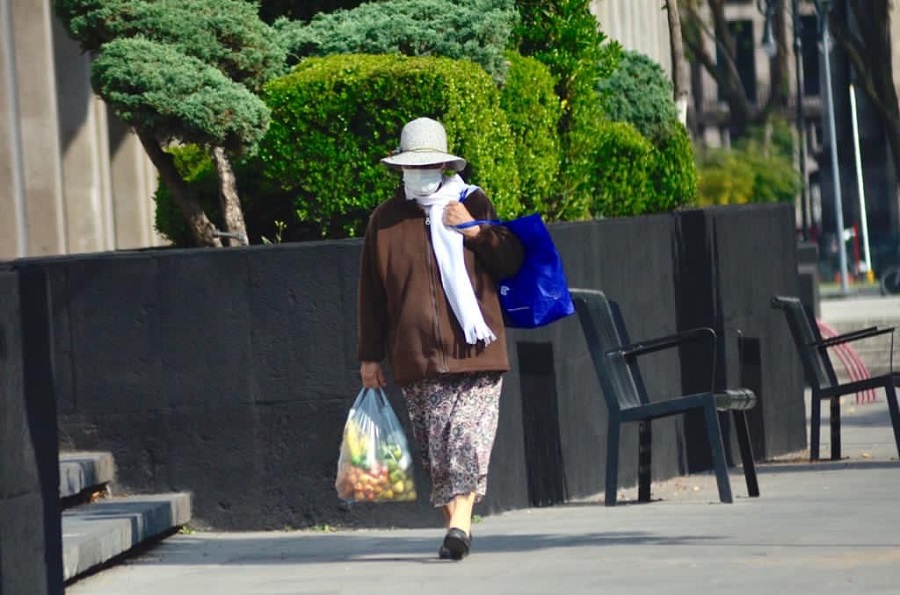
853	364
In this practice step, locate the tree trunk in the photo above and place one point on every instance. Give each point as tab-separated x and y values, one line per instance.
229	200
680	80
780	91
201	227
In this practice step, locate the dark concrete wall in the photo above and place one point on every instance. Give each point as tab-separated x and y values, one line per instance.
631	260
733	260
229	372
743	303
30	534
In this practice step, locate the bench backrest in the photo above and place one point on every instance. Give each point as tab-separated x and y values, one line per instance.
604	332
816	364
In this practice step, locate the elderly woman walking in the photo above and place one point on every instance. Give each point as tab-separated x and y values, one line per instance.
428	304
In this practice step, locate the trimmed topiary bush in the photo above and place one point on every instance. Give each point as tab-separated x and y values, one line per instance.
673	173
318	168
565	36
477	30
334	118
533	110
623	162
182	72
638	91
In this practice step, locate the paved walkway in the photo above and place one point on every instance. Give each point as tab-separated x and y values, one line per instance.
830	527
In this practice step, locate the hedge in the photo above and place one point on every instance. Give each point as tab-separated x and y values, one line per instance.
623	162
533	109
318	168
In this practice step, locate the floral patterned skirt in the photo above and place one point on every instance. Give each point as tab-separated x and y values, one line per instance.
454	421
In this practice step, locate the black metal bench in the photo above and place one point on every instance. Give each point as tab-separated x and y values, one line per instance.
820	376
615	363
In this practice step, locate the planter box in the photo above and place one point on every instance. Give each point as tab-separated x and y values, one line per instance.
228	373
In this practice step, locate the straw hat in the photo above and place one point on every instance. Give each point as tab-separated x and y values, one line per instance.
424	142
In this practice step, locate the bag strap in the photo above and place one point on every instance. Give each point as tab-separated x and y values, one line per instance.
469	224
463	195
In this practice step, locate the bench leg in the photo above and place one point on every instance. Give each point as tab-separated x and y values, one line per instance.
747	462
835	428
645	453
714	432
891	395
815	425
612	462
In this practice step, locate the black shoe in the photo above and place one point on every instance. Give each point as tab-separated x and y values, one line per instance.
456	545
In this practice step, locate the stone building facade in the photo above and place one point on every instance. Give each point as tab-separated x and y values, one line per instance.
72	178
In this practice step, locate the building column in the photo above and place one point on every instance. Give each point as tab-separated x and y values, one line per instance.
35	108
82	129
13	236
134	181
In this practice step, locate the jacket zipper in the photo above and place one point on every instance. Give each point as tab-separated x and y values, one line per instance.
442	366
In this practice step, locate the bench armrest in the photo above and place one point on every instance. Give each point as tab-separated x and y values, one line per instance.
853	336
661	343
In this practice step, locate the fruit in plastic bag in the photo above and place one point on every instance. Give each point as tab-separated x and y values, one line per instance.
374	463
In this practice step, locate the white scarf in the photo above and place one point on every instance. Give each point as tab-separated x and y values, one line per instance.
448	251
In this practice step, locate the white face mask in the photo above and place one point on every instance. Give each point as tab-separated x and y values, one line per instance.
422	182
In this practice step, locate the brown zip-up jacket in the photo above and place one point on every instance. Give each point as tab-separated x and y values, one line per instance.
403	311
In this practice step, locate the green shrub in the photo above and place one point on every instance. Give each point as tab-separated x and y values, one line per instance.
564	35
724	178
196	167
580	135
623	162
225	33
759	168
533	110
673	172
334	118
318	167
160	91
639	91
477	30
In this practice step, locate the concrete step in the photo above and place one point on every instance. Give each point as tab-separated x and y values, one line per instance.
83	471
95	533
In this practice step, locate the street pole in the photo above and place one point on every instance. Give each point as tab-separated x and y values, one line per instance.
801	120
861	188
822	7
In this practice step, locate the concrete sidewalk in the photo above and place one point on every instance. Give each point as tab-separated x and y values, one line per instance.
823	528
829	527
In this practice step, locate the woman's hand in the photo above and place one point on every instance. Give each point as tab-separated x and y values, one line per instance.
456	213
372	375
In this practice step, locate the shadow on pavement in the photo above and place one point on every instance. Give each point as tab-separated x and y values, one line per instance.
310	548
771	468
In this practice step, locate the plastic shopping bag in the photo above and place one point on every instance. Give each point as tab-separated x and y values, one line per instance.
375	463
539	293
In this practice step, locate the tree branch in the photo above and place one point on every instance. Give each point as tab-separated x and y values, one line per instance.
856	52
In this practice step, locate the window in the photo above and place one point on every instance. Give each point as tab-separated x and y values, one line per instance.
745	56
809	39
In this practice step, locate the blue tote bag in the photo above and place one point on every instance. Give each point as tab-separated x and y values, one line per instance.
538	293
